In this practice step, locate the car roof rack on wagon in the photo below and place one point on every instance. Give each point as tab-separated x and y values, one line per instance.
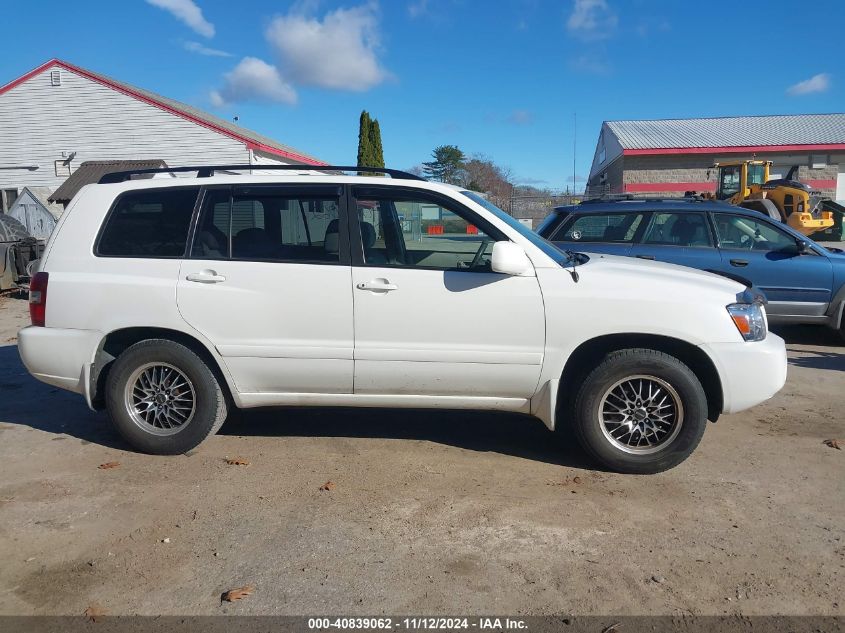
207	171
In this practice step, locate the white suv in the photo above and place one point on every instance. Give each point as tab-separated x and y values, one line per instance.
168	302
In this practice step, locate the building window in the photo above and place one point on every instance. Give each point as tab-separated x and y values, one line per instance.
62	167
56	78
7	199
818	161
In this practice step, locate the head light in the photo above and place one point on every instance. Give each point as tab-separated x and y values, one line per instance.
749	319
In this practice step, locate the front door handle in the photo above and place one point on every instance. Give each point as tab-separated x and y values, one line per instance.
206	276
645	256
739	263
377	285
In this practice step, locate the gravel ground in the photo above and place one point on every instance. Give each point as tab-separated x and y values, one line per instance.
430	512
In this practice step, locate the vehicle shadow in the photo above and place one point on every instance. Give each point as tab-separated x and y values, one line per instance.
809	335
27	402
833	361
484	431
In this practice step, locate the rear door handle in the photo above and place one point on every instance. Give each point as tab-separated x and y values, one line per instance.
645	256
377	285
739	263
206	276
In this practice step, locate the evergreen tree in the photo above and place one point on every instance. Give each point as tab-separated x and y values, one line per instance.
365	140
448	164
375	145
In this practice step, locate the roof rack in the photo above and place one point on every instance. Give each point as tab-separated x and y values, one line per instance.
627	197
206	171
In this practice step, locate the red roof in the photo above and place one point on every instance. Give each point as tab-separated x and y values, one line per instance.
251	139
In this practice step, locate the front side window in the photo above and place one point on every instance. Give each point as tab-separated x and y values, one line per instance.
411	230
678	229
261	223
148	223
604	227
729	182
742	232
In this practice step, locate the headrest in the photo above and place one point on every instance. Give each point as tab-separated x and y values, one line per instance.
368	234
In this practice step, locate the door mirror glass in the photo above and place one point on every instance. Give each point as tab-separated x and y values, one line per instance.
509	259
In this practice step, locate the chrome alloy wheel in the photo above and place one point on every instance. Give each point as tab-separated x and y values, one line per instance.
641	414
160	398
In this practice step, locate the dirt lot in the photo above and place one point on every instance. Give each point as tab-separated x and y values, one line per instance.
432	512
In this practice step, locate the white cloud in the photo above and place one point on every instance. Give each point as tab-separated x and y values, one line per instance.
199	49
592	20
418	8
188	12
520	117
816	83
339	51
253	80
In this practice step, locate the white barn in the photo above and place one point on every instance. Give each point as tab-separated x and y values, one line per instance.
59	115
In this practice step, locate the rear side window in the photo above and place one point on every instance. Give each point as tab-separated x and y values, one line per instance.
605	227
678	229
148	223
267	223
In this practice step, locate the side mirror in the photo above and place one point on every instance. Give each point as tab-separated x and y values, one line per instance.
804	248
509	259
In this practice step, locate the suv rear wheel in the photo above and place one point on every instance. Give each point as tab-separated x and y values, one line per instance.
163	399
640	411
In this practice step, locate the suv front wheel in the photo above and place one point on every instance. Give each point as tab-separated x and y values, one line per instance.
640	411
163	399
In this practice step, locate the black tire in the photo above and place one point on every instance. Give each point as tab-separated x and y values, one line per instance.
210	406
623	364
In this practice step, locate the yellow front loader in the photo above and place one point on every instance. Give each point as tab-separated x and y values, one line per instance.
746	184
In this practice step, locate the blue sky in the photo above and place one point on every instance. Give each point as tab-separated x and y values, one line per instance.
497	77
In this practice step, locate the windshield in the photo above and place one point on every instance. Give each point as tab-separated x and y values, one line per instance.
549	249
756	174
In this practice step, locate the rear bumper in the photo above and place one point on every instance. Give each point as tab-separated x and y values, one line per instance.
751	373
59	357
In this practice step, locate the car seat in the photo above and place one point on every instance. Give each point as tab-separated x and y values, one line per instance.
331	242
368	237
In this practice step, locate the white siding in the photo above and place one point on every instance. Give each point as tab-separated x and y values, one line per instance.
39	121
262	158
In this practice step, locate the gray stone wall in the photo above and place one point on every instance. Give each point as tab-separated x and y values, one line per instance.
692	168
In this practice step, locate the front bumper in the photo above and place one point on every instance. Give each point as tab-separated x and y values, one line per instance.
59	357
751	373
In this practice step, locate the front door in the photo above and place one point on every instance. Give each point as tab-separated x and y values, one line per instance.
268	283
768	256
431	318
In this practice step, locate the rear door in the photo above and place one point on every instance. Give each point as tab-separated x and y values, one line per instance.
601	232
678	237
768	256
268	282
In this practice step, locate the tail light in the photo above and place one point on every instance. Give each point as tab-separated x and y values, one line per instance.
38	298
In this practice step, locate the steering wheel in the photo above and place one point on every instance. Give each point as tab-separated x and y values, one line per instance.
480	252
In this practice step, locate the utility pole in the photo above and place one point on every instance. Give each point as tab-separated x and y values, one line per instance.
574	146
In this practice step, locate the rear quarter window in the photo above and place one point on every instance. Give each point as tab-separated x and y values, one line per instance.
148	223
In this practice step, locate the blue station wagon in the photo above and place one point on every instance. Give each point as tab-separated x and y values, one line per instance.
803	281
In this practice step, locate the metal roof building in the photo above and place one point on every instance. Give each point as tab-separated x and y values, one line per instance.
671	156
